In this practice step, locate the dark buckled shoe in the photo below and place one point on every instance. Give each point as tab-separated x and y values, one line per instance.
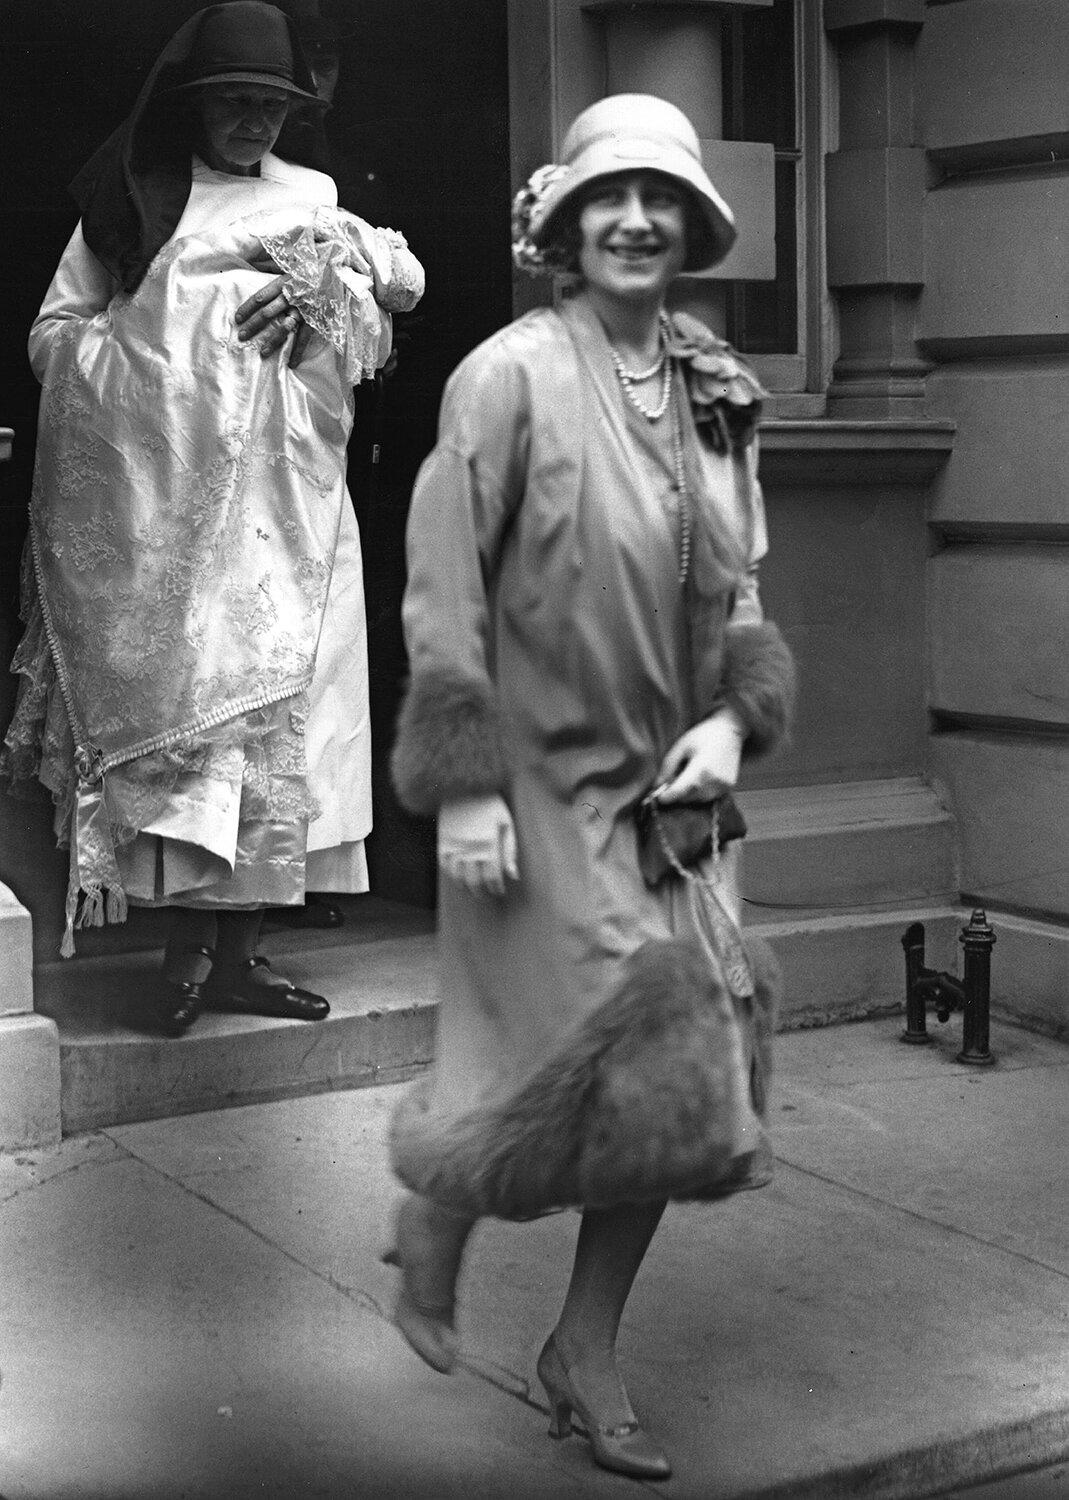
237	992
180	1001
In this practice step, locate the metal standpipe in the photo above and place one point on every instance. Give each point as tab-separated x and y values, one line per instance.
978	939
945	992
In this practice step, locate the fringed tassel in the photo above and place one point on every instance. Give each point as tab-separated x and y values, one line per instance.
92	912
93	868
66	947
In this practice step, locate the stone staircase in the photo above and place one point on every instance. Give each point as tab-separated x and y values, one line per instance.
834	874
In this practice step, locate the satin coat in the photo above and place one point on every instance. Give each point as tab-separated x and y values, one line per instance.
544	562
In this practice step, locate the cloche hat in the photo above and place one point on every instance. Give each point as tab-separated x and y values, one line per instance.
244	41
627	133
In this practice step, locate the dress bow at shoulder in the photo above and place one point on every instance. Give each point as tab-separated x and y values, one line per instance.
725	394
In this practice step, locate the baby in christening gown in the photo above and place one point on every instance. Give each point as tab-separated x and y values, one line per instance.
196	556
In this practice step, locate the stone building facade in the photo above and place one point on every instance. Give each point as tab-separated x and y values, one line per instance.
900	174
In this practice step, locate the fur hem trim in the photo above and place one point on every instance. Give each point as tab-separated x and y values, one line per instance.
758	680
660	1093
449	742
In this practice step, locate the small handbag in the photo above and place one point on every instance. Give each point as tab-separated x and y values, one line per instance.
674	836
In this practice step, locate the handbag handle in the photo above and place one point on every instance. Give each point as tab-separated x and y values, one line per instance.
726	937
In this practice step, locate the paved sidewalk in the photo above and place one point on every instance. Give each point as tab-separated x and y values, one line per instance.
195	1307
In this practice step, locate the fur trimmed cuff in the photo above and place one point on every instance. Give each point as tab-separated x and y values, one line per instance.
448	744
757	679
647	1100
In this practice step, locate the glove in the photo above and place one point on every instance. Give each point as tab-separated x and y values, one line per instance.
703	762
477	843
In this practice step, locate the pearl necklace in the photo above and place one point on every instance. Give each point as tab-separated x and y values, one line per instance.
634	376
630	378
627	379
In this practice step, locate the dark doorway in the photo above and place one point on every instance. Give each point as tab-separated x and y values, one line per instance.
419	141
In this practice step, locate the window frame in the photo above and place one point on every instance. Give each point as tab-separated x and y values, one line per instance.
797	382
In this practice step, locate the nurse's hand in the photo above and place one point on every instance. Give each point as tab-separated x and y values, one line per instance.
477	843
268	316
703	762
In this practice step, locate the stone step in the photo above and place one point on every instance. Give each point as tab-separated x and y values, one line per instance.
378	971
851	844
846	966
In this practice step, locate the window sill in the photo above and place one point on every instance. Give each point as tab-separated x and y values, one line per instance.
835	452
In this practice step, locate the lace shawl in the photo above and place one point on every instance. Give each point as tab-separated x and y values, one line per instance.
187	493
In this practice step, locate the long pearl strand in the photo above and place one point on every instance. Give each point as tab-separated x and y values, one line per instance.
684	496
629	378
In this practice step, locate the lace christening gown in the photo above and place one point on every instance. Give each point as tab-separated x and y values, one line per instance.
194	667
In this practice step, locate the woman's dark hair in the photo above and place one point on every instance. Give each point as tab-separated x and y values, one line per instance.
566	239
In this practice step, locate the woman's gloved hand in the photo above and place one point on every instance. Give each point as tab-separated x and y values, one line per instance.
477	843
268	313
703	762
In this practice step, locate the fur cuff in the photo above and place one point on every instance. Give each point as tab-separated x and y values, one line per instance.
758	680
648	1100
448	743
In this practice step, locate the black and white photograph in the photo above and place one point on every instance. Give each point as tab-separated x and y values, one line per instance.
534	749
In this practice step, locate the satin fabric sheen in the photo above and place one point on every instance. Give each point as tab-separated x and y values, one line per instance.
544	556
198	554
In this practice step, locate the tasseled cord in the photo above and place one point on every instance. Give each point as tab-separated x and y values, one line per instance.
93	868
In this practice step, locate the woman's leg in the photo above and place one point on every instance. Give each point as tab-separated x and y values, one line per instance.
429	1249
578	1364
187	965
190	930
611	1246
239	933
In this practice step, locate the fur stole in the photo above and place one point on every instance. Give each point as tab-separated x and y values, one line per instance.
448	743
643	1103
757	679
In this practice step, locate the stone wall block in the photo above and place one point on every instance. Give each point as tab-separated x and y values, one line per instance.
29	1083
16	956
999	632
1011	798
875	217
991	71
861	704
1011	453
855	15
997	265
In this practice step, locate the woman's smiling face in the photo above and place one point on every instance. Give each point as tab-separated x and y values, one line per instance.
634	237
241	123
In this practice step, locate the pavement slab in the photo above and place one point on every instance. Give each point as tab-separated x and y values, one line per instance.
196	1306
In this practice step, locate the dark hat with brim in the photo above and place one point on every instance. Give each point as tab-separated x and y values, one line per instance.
245	41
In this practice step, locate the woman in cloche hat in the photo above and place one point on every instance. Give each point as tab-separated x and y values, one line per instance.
194	679
589	660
